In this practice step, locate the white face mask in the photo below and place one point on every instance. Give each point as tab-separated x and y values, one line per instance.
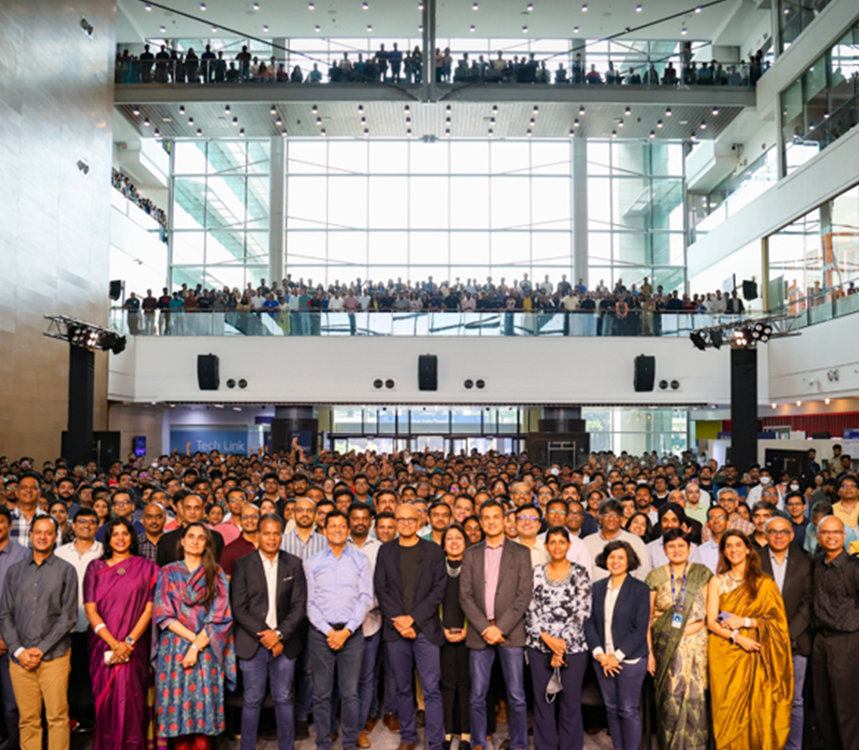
794	487
765	480
586	480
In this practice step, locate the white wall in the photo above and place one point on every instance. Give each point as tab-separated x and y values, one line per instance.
798	366
342	370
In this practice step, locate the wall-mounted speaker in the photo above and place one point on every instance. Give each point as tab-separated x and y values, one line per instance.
390	383
645	372
115	289
480	383
378	383
468	383
207	372
428	372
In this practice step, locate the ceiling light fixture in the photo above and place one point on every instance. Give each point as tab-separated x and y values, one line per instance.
715	111
529	8
581	111
585	8
190	120
199	132
668	112
235	121
273	109
147	8
265	28
365	6
313	109
311	6
471	28
639	8
684	31
135	111
278	122
653	134
475	6
242	131
575	29
316	29
145	122
156	132
181	109
524	29
659	123
203	6
162	29
369	27
226	108
698	9
255	6
214	29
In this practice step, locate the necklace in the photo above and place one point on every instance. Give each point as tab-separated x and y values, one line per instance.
734	578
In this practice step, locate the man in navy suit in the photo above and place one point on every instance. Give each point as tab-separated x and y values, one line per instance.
268	593
410	580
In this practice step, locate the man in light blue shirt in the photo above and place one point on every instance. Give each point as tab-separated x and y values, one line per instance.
339	596
717	523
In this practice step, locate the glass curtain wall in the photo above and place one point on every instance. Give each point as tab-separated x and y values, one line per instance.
822	104
450	209
219	223
636	215
795	16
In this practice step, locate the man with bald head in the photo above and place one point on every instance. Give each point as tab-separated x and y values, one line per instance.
193	510
836	647
791	569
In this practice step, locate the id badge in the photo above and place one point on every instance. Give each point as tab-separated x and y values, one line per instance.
677	621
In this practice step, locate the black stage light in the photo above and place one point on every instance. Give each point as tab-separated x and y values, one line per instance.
698	339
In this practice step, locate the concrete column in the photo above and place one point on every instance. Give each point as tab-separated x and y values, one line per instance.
580	209
277	209
428	88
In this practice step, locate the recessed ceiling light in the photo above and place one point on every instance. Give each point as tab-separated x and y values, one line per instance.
272	110
420	6
365	6
471	28
529	132
226	108
190	120
627	111
529	7
572	133
421	28
716	112
408	119
581	111
156	132
278	122
684	31
698	9
614	134
318	120
406	107
310	6
447	131
322	132
620	123
235	121
703	125
447	119
214	28
265	27
369	27
659	123
575	123
524	29
668	112
316	28
494	107
490	131
575	29
366	131
202	6
181	109
408	131
135	111
653	134
533	121
536	108
199	132
314	109
639	8
162	29
585	8
145	122
475	6
255	6
363	119
242	131
447	108
492	120
147	8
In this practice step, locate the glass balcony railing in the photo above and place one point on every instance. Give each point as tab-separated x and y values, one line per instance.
580	323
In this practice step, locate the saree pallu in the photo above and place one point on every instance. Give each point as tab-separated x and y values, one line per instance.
752	692
681	680
120	593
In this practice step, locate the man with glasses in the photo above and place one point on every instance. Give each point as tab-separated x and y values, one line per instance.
791	569
610	516
246	543
26	510
122	506
528	525
728	499
231	527
835	653
410	581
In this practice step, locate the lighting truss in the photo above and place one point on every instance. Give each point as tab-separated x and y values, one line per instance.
82	334
744	334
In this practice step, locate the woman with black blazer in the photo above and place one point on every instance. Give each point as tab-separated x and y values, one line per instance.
618	635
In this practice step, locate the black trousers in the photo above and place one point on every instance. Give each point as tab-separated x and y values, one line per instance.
81	702
833	670
455	687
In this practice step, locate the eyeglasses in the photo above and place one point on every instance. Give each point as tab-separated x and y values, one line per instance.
86	521
830	533
528	518
774	532
407	520
249	518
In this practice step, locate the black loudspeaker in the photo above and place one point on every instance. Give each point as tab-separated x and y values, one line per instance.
645	371
207	372
750	290
115	289
427	372
821	435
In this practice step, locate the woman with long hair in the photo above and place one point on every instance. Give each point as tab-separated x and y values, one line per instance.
194	655
751	673
118	599
678	604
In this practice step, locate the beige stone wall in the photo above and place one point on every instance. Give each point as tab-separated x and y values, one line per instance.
56	98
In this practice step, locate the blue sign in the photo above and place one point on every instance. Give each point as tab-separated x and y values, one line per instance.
223	441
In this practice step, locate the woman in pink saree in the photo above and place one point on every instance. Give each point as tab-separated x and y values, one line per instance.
118	598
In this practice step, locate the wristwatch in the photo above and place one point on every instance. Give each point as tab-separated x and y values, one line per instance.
734	634
279	635
129	640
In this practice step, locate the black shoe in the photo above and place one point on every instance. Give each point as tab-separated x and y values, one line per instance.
445	745
301	732
464	745
420	719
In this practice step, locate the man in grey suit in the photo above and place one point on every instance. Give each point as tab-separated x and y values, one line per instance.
495	591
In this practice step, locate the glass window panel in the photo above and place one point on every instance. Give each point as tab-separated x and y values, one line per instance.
389	157
509	157
510	247
427	247
190	275
553	248
599	203
256	247
189	157
471	249
387	248
551	157
347	202
631	198
307	156
469	202
428	202
225	202
306	202
550	203
188	247
223	246
510	204
258	199
389	202
227	157
259	157
305	247
428	158
469	157
599	248
347	156
231	277
189	203
599	157
349	251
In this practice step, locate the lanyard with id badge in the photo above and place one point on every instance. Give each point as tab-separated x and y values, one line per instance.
678	605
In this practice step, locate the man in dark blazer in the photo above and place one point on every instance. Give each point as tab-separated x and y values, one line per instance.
494	593
791	569
410	580
268	594
192	511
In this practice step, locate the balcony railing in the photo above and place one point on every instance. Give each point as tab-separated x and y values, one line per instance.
284	323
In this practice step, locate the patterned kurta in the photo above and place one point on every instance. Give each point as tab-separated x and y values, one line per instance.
191	701
559	608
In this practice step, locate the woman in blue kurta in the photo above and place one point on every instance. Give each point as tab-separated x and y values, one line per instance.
194	652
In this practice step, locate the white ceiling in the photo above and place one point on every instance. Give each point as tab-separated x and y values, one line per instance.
548	19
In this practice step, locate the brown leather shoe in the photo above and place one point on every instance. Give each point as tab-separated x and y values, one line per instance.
363	740
501	712
370	724
392	723
406	746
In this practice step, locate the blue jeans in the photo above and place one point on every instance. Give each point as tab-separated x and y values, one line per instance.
558	724
303	685
797	711
513	665
280	672
622	696
347	662
404	655
367	682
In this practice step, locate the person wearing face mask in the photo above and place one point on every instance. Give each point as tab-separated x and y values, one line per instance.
765	480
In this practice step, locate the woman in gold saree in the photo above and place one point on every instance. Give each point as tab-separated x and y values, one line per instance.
751	674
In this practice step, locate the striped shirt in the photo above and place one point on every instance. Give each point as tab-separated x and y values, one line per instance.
292	543
19	531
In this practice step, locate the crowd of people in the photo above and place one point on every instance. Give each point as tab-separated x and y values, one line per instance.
393	65
158	584
602	311
123	183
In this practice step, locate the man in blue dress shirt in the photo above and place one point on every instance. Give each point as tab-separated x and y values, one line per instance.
339	596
